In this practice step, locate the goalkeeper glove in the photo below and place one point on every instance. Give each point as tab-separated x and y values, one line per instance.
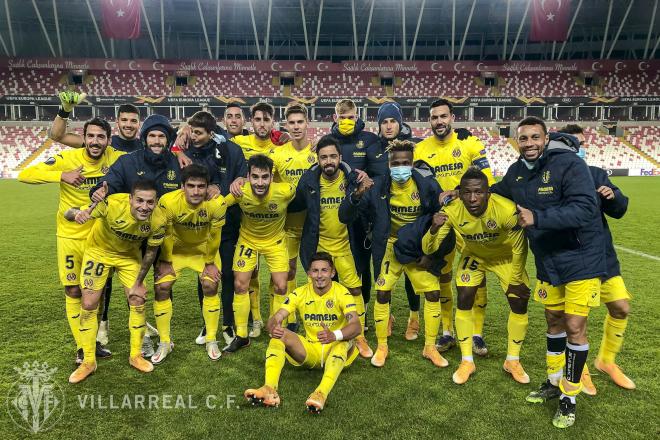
68	100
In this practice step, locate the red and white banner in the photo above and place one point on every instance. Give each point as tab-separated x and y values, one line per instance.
121	19
195	67
550	20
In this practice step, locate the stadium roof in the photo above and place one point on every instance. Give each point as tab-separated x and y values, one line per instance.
331	29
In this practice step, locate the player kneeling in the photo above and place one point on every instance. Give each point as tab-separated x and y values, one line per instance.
494	242
330	319
193	229
124	222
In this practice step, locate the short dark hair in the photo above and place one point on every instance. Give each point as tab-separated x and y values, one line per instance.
143	185
474	173
533	120
195	171
128	108
234	105
327	141
321	256
99	122
262	107
440	102
261	162
397	145
203	119
572	129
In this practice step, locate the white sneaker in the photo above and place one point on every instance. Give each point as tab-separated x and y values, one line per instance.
147	347
102	335
255	331
151	330
201	338
164	348
228	335
213	351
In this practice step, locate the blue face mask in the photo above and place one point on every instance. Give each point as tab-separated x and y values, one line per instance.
401	174
581	153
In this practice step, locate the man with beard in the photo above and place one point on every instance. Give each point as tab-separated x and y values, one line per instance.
76	171
128	124
449	157
321	191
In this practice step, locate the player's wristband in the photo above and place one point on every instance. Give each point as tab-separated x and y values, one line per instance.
339	336
63	114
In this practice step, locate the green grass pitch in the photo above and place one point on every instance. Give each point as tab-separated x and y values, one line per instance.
408	398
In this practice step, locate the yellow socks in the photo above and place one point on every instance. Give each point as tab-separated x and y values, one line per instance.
479	310
464	332
73	317
274	362
414	316
446	306
431	321
137	326
89	326
241	306
381	318
290	287
517	329
211	314
255	299
359	305
613	330
334	364
163	316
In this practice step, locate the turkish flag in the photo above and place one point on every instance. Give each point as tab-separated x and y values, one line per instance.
550	20
121	19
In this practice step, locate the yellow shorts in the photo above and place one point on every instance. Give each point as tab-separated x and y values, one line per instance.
575	297
317	353
194	261
293	238
472	270
345	267
70	253
614	289
390	272
246	256
97	264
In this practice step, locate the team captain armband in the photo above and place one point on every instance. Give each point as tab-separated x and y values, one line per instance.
481	163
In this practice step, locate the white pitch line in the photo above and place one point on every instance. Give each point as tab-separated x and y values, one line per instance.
641	254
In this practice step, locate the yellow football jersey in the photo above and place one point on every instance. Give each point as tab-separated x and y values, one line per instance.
333	235
450	158
263	218
251	145
405	206
118	232
314	309
189	227
51	171
493	236
290	164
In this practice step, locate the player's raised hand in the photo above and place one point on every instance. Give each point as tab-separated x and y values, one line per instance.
439	219
364	183
235	187
447	196
183	137
325	336
212	271
84	215
183	160
69	99
100	193
525	217
212	192
606	192
73	177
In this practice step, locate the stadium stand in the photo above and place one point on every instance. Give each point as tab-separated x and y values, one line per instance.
647	139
